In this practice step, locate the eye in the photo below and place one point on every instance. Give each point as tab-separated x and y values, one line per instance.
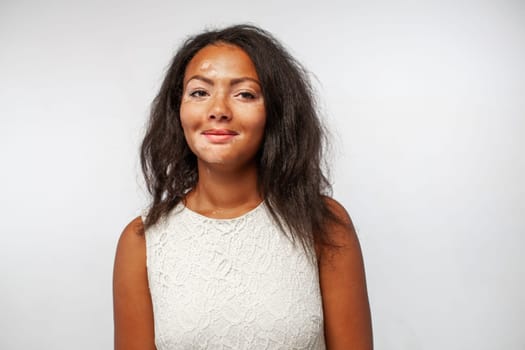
198	93
247	95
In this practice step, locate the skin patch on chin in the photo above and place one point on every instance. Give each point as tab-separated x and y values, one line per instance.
209	154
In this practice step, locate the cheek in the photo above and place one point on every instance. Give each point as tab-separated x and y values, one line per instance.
260	124
255	118
186	123
183	116
188	118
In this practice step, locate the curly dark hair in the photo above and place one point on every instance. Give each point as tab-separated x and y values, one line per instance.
290	174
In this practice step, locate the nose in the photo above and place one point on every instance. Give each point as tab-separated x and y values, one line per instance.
220	109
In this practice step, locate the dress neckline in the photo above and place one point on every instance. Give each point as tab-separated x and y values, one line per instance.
236	218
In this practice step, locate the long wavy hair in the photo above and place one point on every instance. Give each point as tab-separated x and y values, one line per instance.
289	162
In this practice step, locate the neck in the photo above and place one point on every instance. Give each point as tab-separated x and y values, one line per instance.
224	193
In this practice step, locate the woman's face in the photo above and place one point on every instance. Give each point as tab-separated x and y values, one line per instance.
222	109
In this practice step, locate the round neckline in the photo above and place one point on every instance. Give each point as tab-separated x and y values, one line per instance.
240	217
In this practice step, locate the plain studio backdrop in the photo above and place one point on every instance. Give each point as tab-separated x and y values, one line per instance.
425	101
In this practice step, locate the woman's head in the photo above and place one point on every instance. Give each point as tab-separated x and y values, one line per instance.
289	157
222	109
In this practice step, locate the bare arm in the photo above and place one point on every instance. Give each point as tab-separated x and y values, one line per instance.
133	312
343	286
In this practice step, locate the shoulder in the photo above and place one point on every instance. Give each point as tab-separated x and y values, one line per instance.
135	227
130	257
133	325
341	232
343	285
344	247
132	237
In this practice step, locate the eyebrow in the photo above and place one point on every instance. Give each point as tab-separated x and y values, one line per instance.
232	82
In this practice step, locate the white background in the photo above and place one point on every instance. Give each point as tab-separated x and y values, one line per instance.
426	102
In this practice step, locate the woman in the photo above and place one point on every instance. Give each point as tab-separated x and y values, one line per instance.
240	248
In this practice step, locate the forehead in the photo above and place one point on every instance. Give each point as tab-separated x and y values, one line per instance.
221	59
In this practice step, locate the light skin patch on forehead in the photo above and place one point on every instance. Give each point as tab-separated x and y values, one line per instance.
212	64
205	65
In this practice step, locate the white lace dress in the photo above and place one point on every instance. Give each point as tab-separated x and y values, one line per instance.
231	284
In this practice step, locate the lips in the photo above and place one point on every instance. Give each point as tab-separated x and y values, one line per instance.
219	132
219	135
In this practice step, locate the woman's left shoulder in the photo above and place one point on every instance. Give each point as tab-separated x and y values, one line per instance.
341	232
343	285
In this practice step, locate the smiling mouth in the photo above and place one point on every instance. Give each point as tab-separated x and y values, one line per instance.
219	135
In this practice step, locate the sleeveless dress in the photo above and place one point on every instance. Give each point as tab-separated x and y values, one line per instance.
231	284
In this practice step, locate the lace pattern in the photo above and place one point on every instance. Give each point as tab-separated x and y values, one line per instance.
231	284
